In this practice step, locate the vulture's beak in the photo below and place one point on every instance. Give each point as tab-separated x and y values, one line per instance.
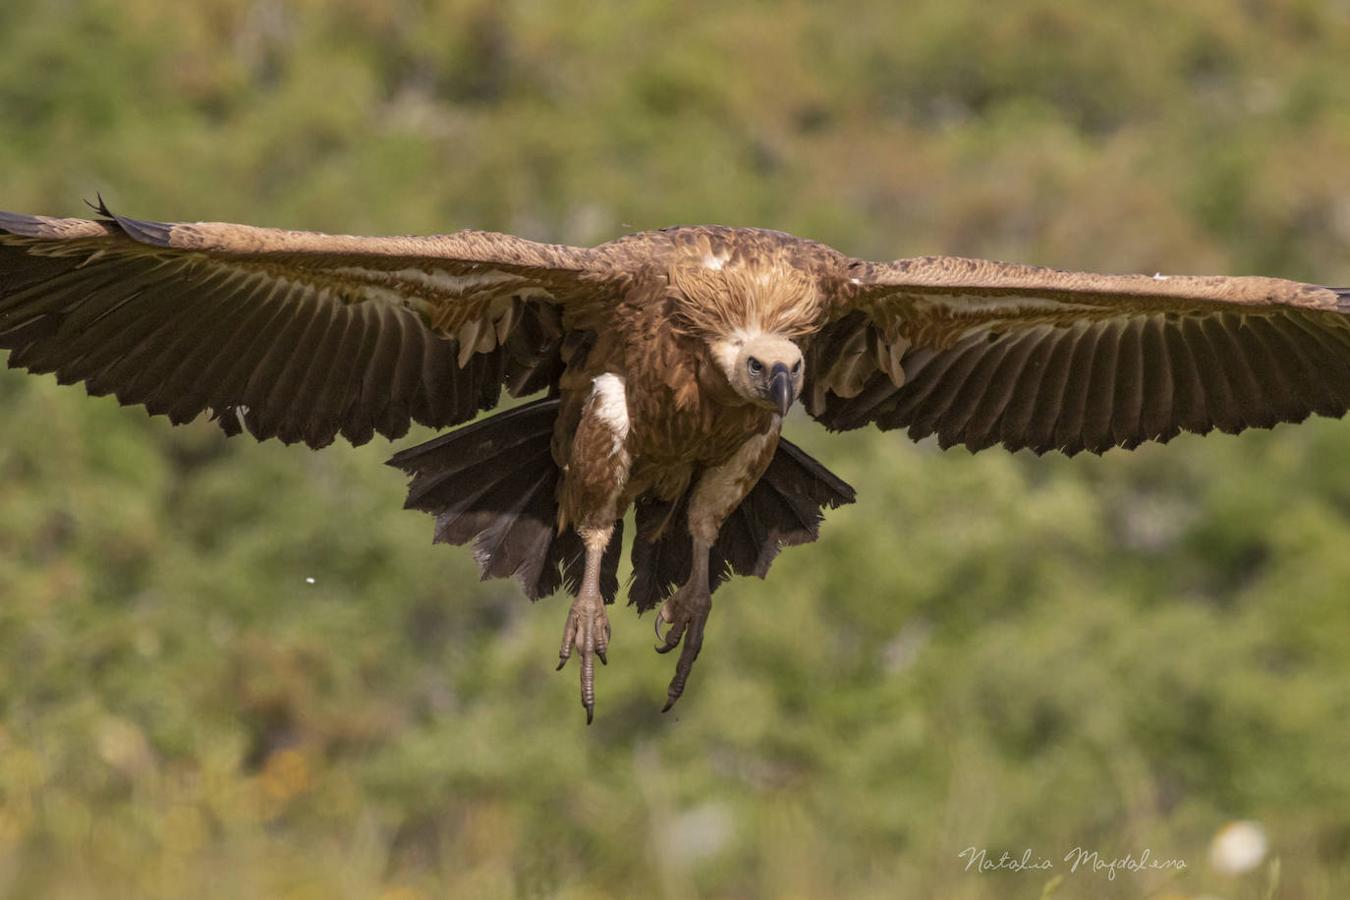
780	388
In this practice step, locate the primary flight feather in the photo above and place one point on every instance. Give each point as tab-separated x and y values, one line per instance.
668	360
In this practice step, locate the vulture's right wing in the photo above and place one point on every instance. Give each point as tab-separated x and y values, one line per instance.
297	335
982	353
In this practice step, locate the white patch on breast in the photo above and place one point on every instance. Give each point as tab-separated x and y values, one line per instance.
713	262
609	403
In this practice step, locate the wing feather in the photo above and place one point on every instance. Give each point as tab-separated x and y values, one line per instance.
1201	337
984	429
940	395
1030	357
297	335
1288	403
185	382
1045	411
1157	383
1100	389
315	376
229	375
952	424
1306	379
1128	402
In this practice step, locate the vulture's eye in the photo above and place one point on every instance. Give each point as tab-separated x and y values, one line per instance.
796	367
756	366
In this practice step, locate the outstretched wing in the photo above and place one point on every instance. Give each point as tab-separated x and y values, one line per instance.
296	335
981	352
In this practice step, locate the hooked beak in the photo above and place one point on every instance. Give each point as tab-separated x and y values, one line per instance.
780	388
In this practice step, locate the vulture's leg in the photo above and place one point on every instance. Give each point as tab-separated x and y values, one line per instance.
595	474
718	492
587	628
686	612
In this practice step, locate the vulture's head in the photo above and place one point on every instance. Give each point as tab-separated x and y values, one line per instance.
765	369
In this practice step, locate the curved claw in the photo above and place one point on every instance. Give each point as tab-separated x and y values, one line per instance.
584	632
671	639
688	613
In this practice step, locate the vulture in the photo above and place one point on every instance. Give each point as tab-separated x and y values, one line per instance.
665	363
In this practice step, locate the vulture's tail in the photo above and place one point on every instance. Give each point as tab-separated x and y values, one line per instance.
783	509
494	484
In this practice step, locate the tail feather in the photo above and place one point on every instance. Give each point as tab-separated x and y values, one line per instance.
514	544
468	505
474	444
785	508
662	551
494	485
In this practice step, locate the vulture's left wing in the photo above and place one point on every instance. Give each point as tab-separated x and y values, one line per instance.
982	353
291	334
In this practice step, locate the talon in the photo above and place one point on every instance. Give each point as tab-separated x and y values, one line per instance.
687	611
587	632
672	638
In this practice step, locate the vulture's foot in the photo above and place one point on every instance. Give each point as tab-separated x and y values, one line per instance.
686	611
586	631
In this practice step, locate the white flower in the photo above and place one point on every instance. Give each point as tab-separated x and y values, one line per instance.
1238	847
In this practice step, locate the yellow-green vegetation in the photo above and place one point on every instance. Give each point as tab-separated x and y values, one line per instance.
994	651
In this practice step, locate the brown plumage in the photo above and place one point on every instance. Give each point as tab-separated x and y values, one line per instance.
668	359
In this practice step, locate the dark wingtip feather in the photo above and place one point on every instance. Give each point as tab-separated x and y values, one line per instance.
229	419
100	207
21	225
1342	298
156	234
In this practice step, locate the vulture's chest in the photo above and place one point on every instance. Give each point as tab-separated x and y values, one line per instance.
682	411
682	414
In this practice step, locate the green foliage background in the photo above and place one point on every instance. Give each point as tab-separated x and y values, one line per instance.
992	651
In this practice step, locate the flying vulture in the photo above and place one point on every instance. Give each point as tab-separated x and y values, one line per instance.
666	360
